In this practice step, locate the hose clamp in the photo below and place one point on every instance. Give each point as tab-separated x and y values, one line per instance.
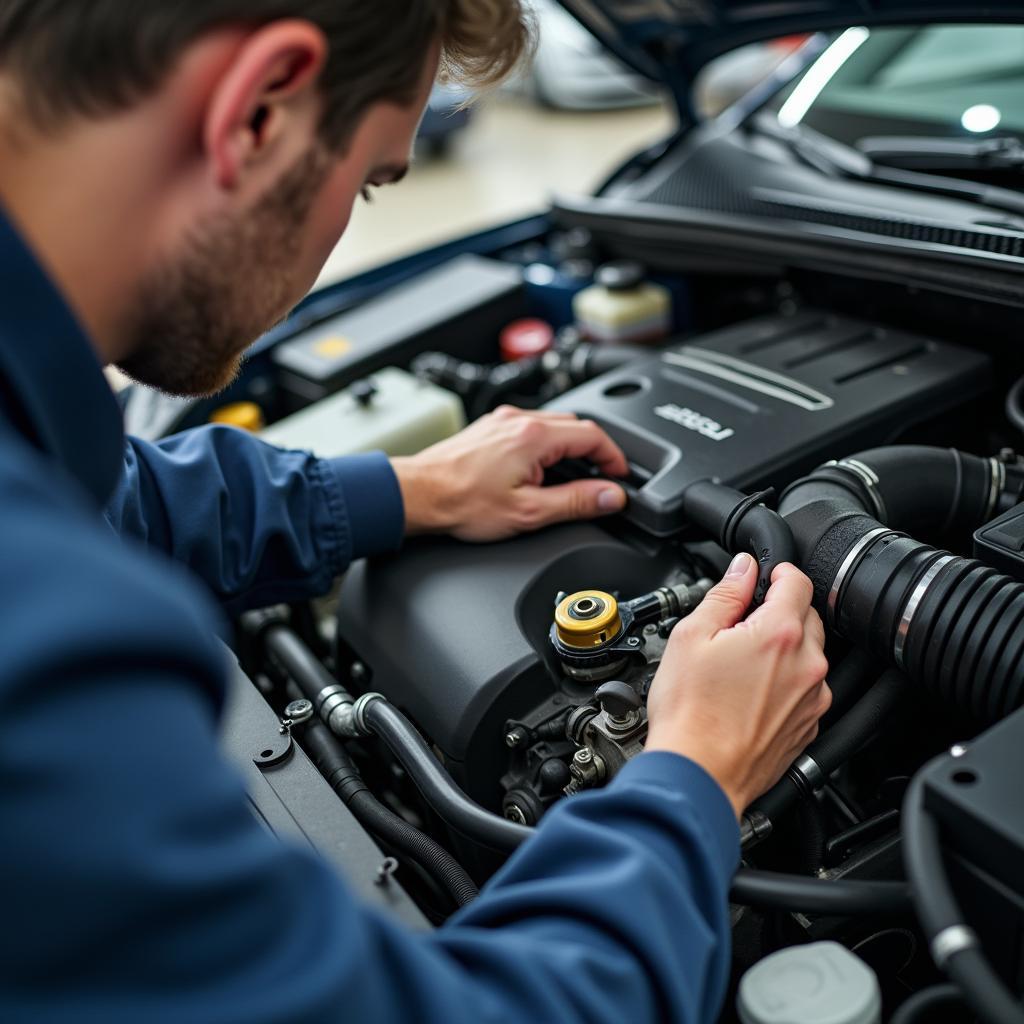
359	711
811	771
851	559
336	707
998	482
869	478
950	941
913	602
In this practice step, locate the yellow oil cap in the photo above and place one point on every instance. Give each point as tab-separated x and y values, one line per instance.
587	619
246	415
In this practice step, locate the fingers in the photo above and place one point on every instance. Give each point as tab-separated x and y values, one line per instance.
552	437
727	602
581	499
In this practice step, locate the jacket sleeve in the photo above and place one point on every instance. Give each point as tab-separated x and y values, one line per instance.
141	887
257	524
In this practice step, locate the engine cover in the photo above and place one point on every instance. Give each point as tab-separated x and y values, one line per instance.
763	401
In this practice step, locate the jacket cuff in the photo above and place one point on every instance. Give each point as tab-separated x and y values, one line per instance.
682	779
363	493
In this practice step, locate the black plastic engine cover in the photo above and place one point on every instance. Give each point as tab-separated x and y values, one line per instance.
456	634
761	402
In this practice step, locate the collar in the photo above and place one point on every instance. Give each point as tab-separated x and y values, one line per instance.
52	386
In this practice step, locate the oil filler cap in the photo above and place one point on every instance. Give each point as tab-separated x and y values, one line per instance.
587	619
820	983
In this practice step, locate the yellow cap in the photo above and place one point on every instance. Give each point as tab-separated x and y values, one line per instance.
246	415
587	619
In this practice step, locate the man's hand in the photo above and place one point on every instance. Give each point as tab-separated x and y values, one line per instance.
485	483
742	697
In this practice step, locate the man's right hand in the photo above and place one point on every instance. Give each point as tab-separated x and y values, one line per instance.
742	697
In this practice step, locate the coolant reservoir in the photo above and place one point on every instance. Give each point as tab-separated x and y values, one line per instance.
623	307
390	411
820	983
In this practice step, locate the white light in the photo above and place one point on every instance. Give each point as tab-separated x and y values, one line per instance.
982	117
819	74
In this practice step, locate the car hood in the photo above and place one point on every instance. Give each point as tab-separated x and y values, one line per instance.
669	41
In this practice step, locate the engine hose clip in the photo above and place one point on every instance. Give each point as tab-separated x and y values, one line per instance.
913	602
950	941
849	561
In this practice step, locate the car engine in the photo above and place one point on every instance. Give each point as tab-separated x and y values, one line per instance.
472	688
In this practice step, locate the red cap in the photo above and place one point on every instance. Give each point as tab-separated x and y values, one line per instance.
524	338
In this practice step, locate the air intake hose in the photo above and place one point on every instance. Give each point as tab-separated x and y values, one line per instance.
951	623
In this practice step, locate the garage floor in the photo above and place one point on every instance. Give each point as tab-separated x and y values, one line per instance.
508	161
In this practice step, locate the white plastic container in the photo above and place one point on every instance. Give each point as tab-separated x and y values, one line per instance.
390	411
623	308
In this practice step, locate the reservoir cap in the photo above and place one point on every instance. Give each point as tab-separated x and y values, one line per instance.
820	983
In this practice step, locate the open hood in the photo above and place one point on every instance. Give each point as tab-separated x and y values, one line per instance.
669	41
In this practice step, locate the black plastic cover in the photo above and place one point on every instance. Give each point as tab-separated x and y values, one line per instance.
1000	543
758	403
976	799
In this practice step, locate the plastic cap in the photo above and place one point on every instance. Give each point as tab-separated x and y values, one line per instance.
525	338
820	983
620	276
245	415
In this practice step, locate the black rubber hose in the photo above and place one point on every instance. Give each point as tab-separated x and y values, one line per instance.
916	488
918	1008
837	745
833	896
750	887
437	787
938	911
340	771
811	838
848	680
740	523
951	623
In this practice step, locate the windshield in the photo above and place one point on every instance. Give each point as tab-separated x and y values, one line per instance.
949	81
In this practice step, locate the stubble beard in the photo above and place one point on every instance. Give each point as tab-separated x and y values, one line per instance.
194	317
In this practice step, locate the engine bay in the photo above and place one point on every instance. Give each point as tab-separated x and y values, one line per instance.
854	427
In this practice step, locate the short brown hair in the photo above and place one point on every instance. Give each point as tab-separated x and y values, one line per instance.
93	57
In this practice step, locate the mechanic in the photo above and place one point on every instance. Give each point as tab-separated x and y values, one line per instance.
173	174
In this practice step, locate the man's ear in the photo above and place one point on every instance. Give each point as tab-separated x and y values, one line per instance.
265	92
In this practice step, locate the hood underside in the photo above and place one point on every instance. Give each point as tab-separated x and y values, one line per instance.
669	41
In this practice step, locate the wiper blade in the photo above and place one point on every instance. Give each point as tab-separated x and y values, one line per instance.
838	160
924	153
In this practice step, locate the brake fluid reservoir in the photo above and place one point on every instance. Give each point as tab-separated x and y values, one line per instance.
623	307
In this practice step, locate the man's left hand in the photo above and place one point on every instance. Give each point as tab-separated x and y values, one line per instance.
484	483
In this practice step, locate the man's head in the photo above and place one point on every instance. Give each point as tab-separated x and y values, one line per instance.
229	139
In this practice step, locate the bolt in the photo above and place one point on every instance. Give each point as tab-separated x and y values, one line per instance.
650	629
515	813
387	868
299	710
633	641
513	739
583	756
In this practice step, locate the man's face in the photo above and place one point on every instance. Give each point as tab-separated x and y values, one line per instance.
239	272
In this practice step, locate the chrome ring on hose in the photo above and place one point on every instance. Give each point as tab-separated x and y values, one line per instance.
998	481
847	564
869	478
912	604
950	941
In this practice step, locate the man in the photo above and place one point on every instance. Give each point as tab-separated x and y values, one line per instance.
173	174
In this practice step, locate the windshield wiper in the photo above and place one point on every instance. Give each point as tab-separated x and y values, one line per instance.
838	160
924	153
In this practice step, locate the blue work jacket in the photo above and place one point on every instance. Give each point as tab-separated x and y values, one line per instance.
138	886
